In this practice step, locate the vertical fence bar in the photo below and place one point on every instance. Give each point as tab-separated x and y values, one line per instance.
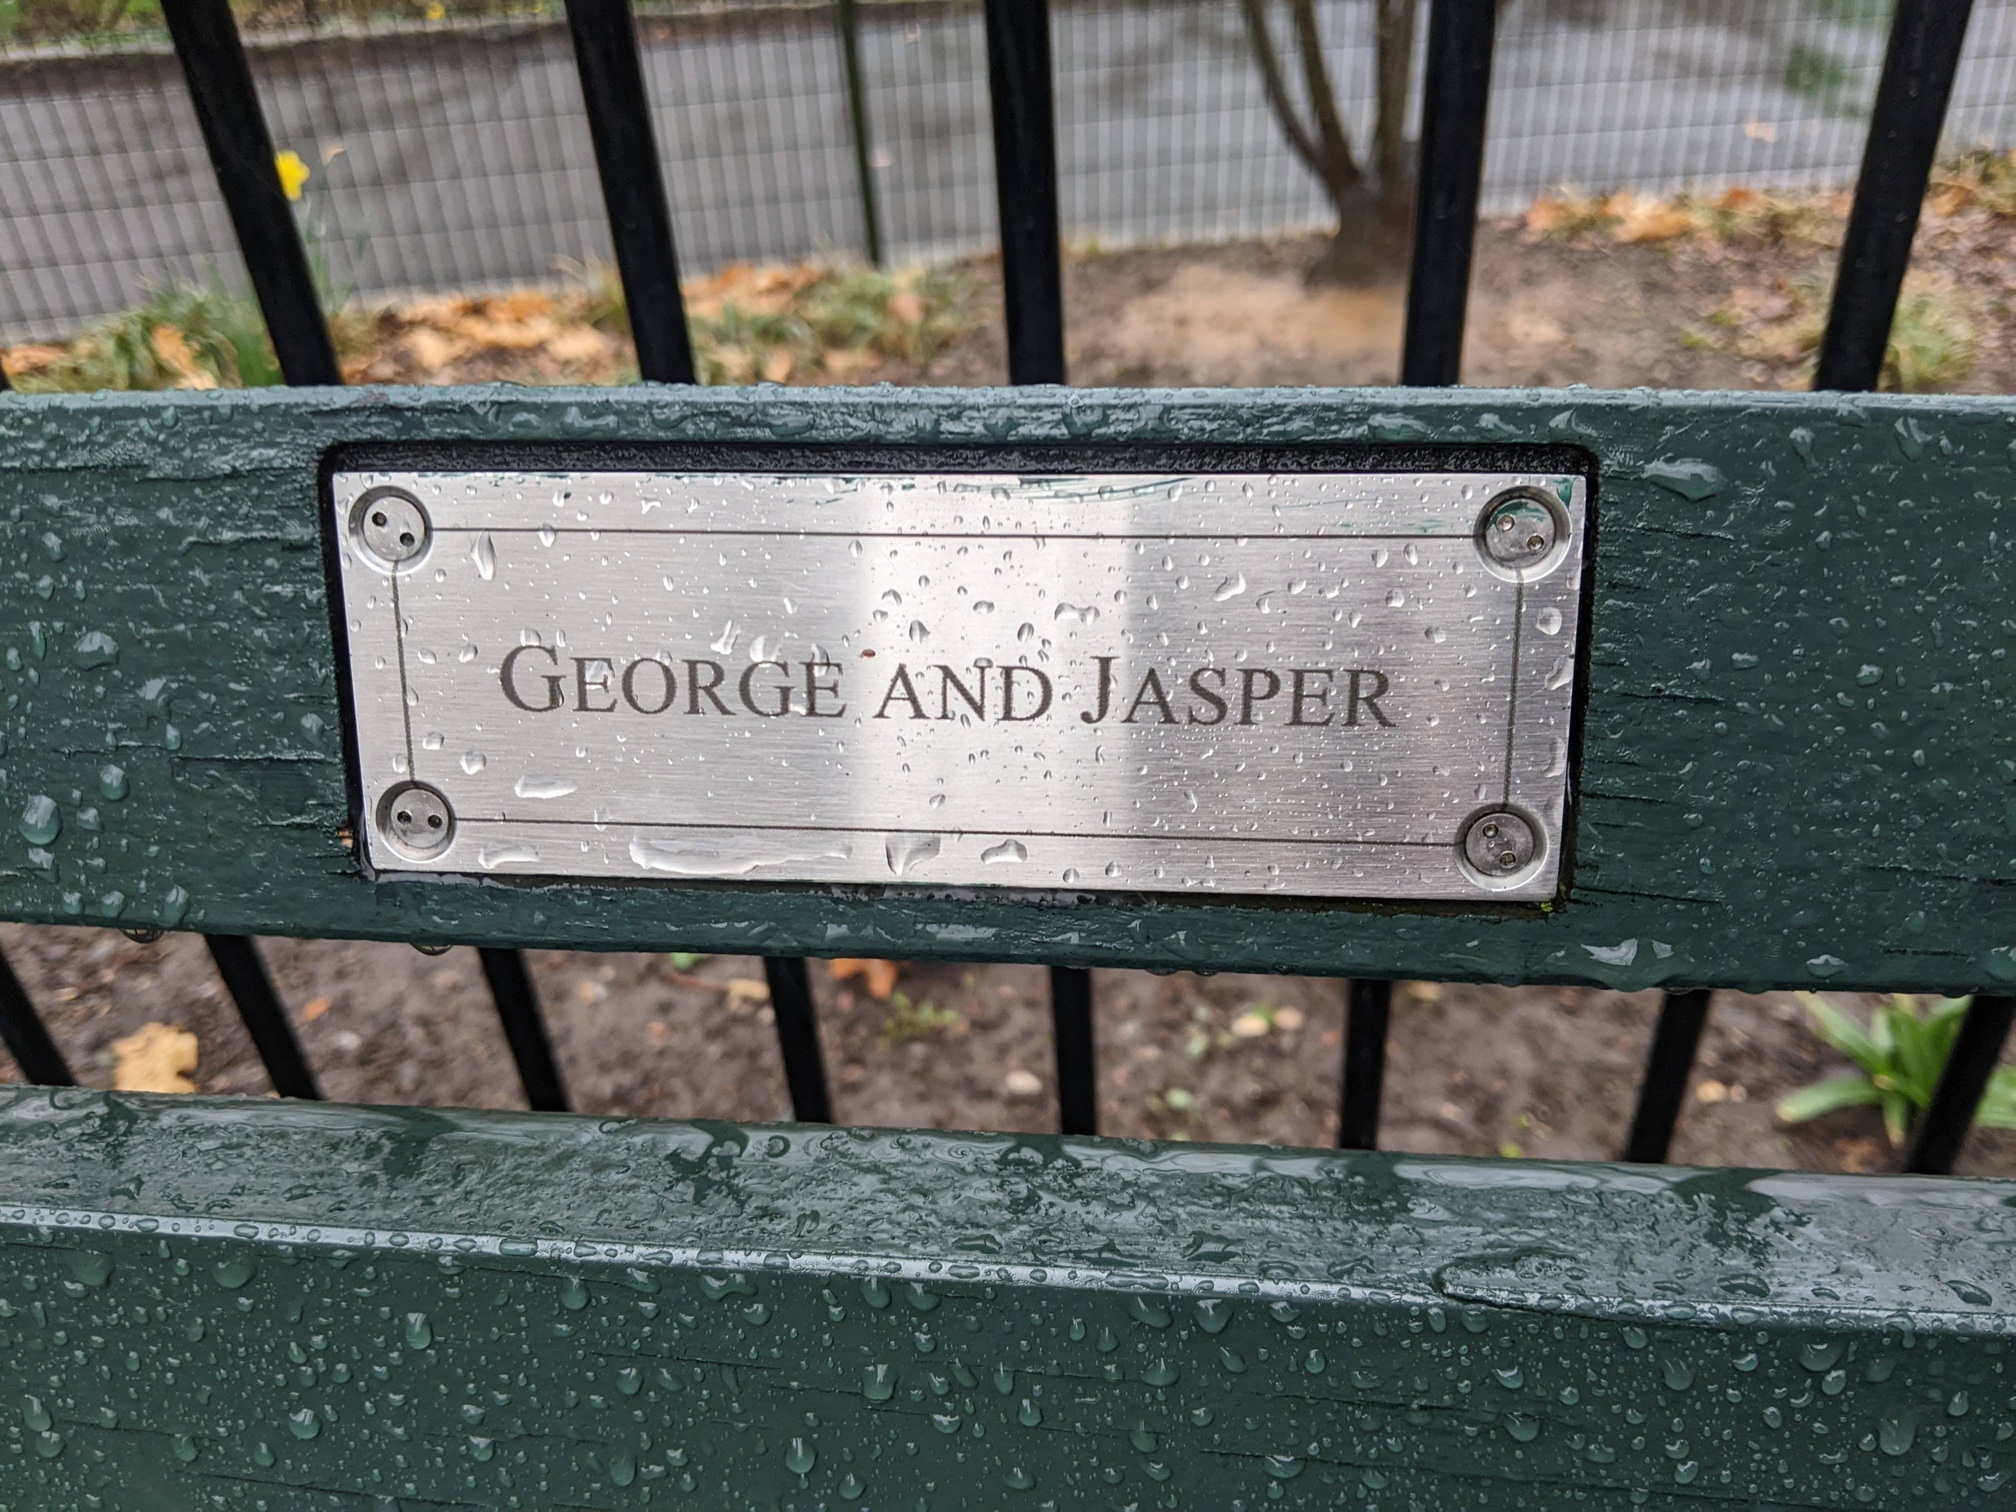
847	19
524	1030
1682	1016
1025	181
1904	127
234	128
1976	1050
633	185
798	1038
1368	1012
251	989
1077	1054
1455	103
226	102
241	153
26	1037
1032	287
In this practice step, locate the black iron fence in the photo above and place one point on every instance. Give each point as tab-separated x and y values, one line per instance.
455	155
1920	64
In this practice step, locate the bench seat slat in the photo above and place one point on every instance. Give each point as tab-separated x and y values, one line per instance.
203	1303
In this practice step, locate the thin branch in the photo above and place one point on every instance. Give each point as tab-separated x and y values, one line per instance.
1277	89
1396	70
1340	171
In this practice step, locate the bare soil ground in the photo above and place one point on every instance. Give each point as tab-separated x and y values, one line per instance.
1481	1070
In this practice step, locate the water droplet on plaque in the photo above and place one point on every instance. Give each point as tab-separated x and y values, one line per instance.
904	851
1231	588
467	654
724	643
546	536
1549	620
506	853
919	632
484	554
529	786
1007	850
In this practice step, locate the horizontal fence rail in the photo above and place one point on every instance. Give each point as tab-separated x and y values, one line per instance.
493	1310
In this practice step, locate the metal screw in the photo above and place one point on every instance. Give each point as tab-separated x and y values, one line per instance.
1518	529
392	527
1499	844
416	821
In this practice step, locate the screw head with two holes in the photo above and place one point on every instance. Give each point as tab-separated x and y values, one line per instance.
1519	531
1499	846
416	821
391	529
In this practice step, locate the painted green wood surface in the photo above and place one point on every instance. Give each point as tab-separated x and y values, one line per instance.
1799	741
226	1305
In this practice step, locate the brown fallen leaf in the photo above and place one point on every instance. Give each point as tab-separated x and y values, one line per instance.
844	362
431	349
1545	214
907	306
878	978
154	1058
26	359
776	365
521	305
511	335
745	993
441	310
578	344
1645	218
172	350
314	1008
1950	199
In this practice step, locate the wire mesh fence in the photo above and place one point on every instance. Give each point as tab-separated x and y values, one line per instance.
454	154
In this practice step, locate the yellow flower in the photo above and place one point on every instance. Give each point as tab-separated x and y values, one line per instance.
436	11
293	173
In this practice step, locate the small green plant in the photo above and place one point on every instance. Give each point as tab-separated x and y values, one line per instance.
1898	1057
685	960
1178	1106
184	336
1205	1035
1930	344
908	1022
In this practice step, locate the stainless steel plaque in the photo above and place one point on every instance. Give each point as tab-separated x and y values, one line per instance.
1311	684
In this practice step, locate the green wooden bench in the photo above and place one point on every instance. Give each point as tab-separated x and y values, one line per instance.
1791	766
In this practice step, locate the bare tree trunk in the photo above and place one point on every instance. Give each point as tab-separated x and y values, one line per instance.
1321	144
1371	240
1396	22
